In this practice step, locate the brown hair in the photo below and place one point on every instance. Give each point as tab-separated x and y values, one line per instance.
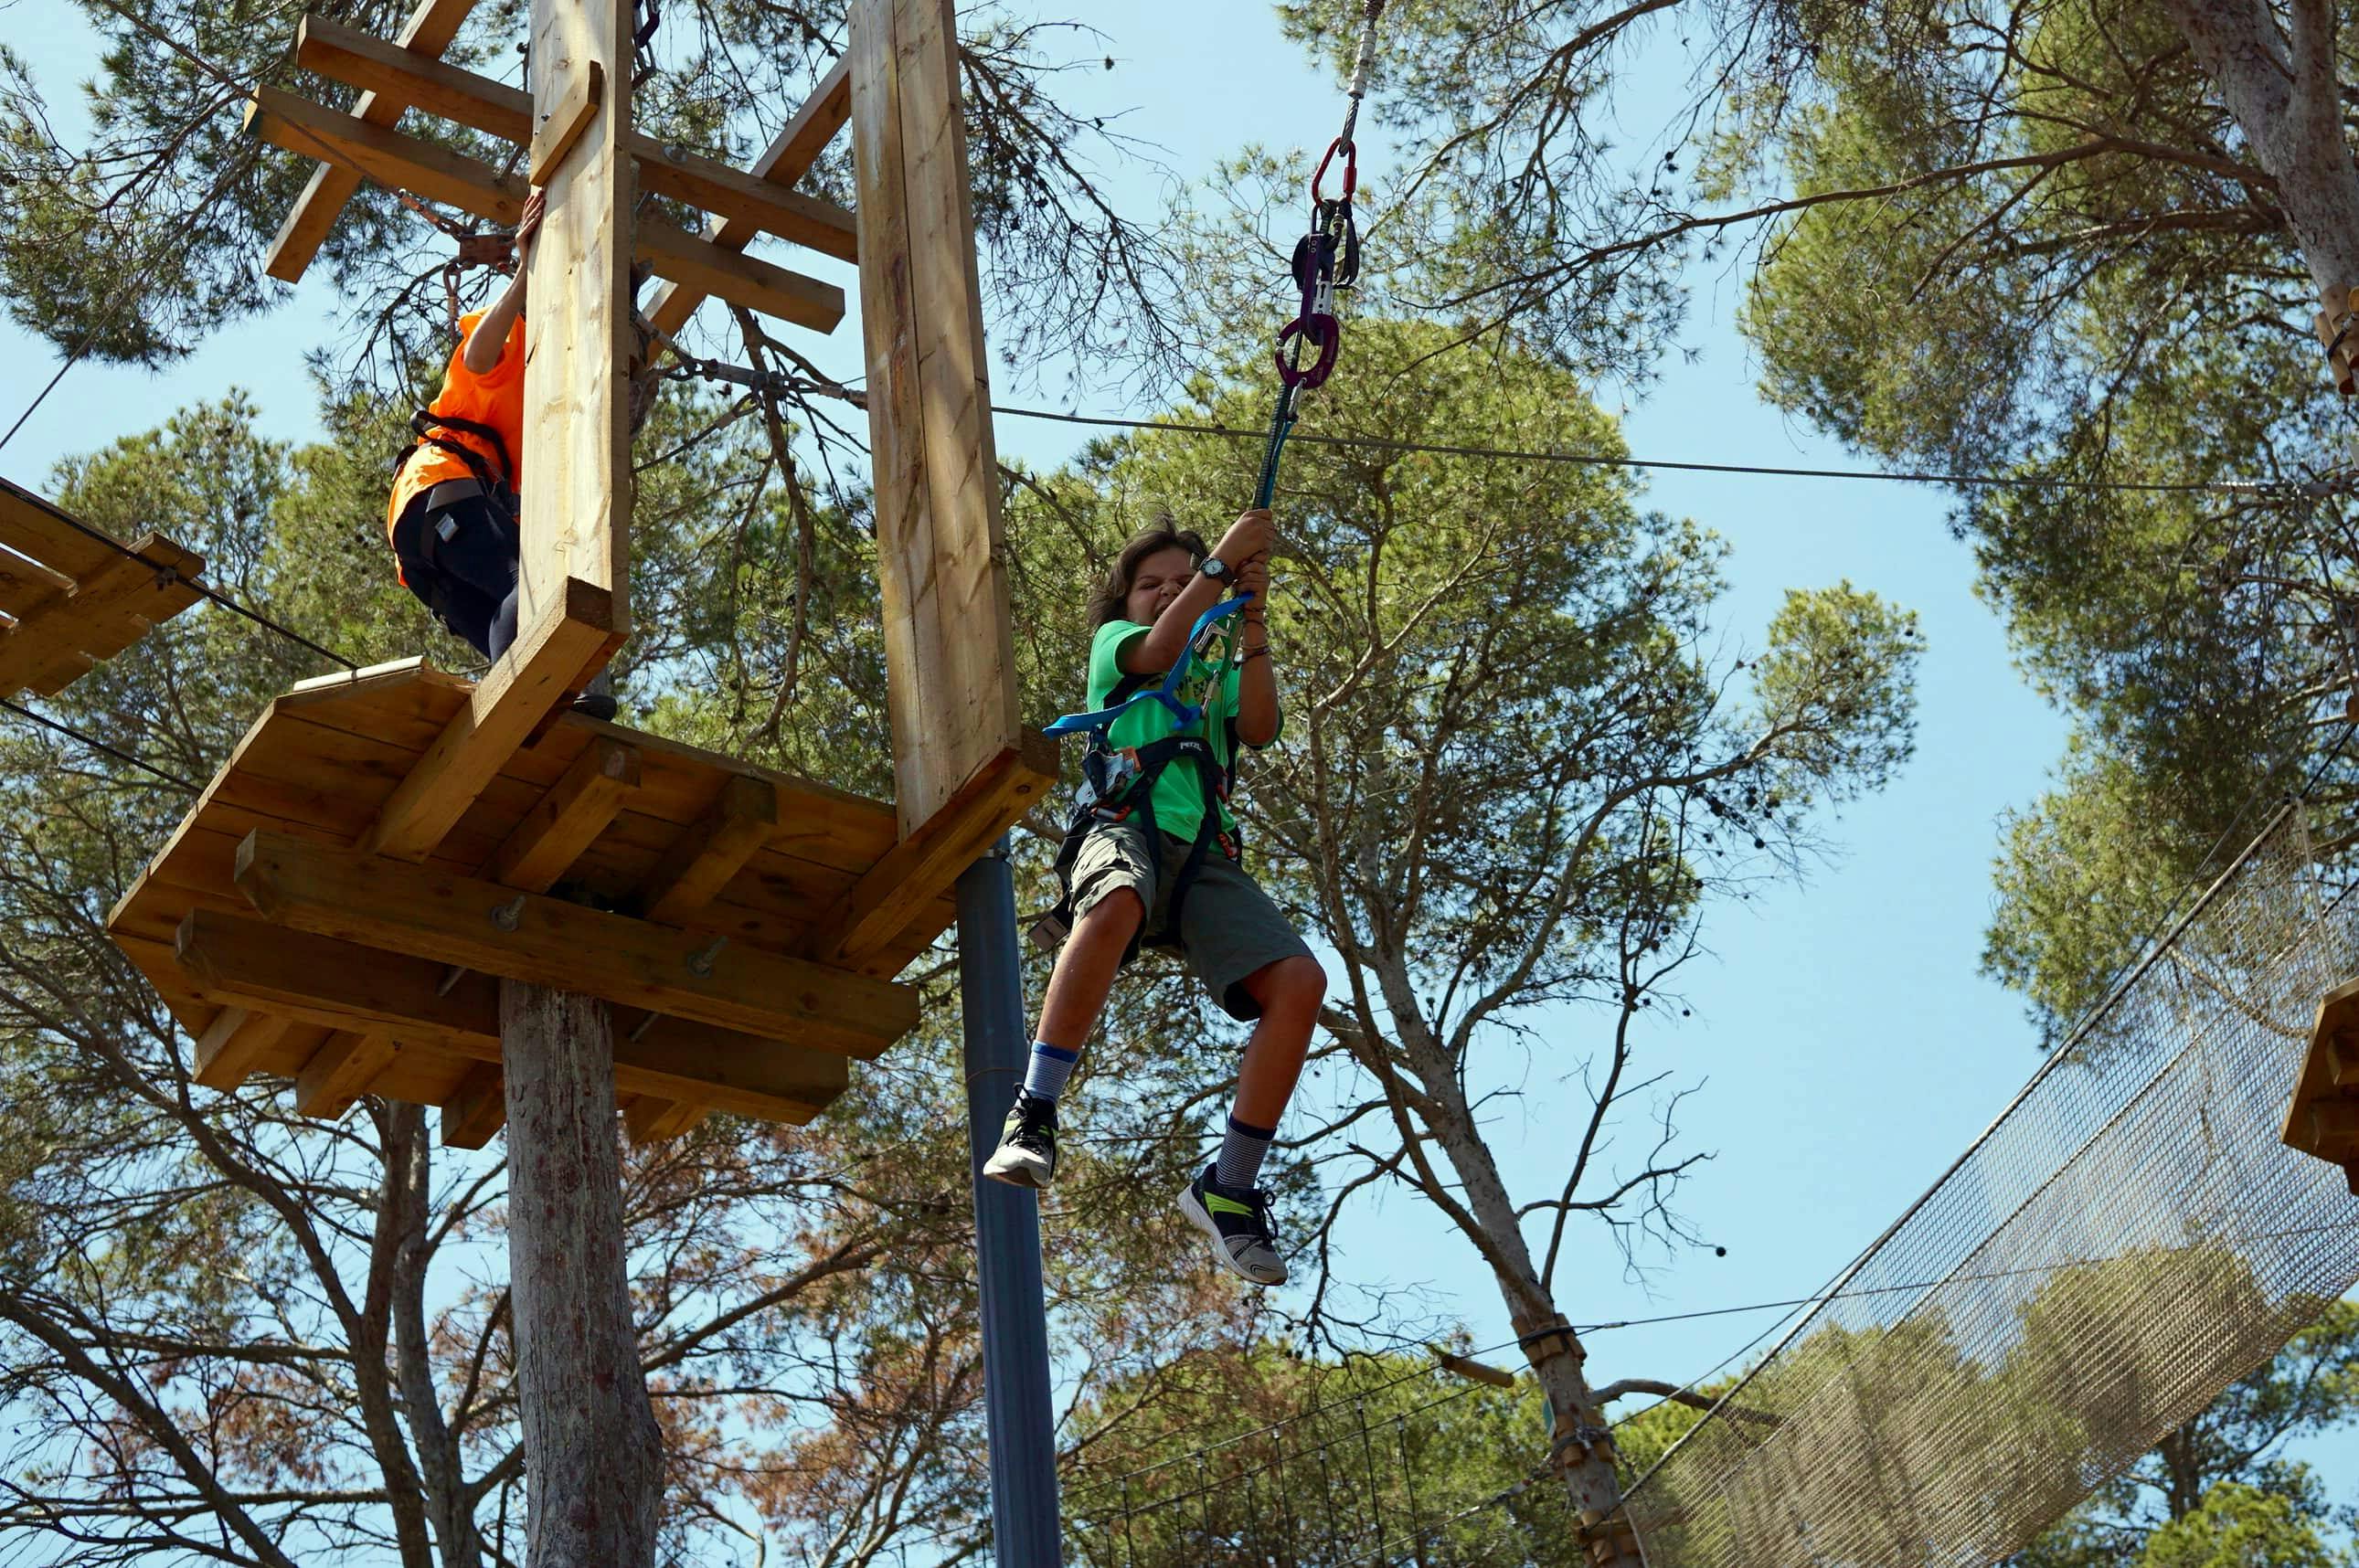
1107	604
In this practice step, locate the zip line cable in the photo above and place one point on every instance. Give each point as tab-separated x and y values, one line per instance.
2316	488
96	744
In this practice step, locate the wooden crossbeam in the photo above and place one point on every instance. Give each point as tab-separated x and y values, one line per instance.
531	678
427	33
72	599
693	872
477	1110
569	818
701	862
949	655
921	866
380	903
267	971
339	1071
789	158
230	1046
744	204
454	180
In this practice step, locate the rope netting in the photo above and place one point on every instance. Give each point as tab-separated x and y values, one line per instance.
2128	1238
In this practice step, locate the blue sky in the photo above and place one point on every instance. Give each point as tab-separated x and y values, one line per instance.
1844	1045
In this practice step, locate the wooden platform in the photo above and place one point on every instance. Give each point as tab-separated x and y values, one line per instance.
2324	1119
68	601
748	925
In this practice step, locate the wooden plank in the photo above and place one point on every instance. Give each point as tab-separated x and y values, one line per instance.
233	1046
110	609
2334	1127
746	200
477	1110
569	818
676	253
27	585
338	985
427	31
921	868
533	677
651	1120
339	1071
700	864
41	532
576	512
745	203
388	157
453	919
949	655
790	157
563	123
329	48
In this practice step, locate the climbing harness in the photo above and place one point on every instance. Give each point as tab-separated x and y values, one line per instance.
1121	783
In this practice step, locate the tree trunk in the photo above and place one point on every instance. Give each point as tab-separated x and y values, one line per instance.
409	1157
2282	88
373	1383
1581	1449
592	1452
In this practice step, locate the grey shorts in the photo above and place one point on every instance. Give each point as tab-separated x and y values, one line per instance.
1228	926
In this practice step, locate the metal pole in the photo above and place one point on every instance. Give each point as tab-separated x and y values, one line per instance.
1007	1226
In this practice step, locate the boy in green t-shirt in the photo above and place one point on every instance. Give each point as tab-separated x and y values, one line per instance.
1120	887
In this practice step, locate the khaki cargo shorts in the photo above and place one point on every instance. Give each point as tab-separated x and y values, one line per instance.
1228	926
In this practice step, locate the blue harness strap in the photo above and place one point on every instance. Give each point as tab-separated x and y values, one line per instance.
1182	713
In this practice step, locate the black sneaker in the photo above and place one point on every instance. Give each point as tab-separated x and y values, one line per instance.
1237	1219
1027	1155
596	705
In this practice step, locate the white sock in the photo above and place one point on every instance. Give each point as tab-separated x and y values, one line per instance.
1050	1067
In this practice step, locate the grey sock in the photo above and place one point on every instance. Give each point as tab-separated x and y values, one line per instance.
1242	1147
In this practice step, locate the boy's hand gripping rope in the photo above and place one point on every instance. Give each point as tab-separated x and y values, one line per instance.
1325	259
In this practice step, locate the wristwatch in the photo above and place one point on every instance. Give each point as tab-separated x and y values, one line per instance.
1217	570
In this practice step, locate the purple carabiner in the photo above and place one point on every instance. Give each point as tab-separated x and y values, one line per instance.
1323	332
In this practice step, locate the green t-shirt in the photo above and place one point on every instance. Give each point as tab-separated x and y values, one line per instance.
1178	794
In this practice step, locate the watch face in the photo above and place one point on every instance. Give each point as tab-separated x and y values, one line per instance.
1215	566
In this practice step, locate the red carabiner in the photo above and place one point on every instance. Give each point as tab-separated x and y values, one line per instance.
1351	151
1323	332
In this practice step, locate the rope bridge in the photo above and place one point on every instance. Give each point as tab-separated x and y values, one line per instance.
2127	1239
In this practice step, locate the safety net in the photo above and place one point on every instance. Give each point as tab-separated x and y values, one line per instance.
2127	1239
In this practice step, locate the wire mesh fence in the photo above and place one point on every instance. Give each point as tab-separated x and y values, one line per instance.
2127	1239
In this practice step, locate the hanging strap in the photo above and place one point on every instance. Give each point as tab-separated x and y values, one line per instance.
1167	693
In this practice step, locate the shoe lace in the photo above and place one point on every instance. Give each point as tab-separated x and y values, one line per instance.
1035	1125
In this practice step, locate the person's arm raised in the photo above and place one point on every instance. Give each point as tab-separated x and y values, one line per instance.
490	338
1160	649
1258	682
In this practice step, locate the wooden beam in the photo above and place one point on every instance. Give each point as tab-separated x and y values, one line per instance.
700	863
109	609
562	125
337	984
35	529
532	678
423	168
477	1110
949	651
392	159
676	253
921	866
745	201
339	1072
569	818
451	919
651	1120
427	33
790	157
576	513
745	204
232	1046
329	48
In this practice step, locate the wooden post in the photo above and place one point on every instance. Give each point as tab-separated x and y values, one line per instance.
592	1452
949	656
577	437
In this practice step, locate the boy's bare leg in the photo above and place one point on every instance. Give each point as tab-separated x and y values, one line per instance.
1290	992
1084	978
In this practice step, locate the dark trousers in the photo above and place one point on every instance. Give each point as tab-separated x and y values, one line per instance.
461	561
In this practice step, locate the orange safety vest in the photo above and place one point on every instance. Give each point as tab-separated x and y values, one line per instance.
495	400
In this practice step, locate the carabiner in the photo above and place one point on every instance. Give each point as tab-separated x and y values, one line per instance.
1351	152
1323	332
